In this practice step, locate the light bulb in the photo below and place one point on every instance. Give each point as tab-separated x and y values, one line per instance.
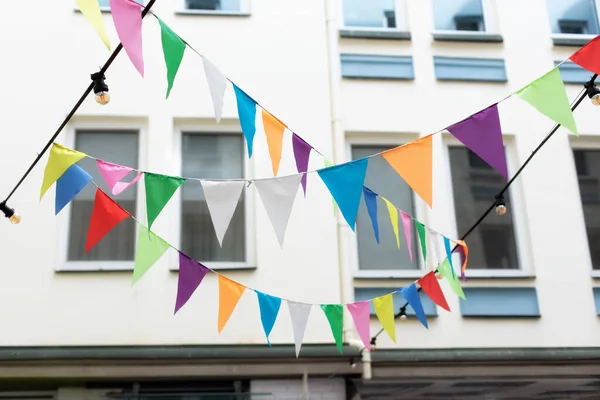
596	99
15	218
500	209
402	317
353	365
439	275
102	98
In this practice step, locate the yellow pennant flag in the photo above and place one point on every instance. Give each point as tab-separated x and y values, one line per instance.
229	295
61	158
384	308
393	218
91	10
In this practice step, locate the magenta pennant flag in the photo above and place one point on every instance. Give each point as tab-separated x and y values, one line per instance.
191	273
361	315
482	134
127	16
406	223
302	155
113	173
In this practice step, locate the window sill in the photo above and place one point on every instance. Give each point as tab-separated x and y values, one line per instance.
498	274
102	10
466	36
385	34
564	39
380	274
96	266
222	266
213	13
595	274
471	274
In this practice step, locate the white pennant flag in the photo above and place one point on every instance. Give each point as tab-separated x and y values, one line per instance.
278	196
435	239
299	313
222	198
217	82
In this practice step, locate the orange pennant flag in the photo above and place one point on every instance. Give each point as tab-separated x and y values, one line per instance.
274	131
465	249
229	295
413	162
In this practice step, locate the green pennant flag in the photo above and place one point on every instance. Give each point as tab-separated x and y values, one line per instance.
452	278
159	190
335	316
173	49
329	163
548	95
149	249
422	238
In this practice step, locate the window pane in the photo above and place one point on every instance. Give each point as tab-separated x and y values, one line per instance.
492	245
120	147
370	14
213	5
587	163
383	179
458	15
219	157
573	16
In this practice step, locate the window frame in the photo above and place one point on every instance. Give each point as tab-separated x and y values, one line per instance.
225	128
64	218
245	5
400	13
490	34
104	9
572	39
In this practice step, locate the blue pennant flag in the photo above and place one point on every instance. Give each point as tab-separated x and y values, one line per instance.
411	294
68	185
247	113
269	308
371	202
449	253
345	183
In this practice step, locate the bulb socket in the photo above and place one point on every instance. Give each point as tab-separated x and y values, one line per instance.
99	84
8	212
593	92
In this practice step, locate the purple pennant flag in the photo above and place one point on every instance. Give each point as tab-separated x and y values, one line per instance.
191	273
482	134
302	154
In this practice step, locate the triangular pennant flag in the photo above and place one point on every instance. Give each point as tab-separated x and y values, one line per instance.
229	295
465	251
482	134
413	162
433	239
393	211
335	316
68	185
222	199
159	190
60	159
588	56
448	251
371	203
411	295
269	308
173	50
384	308
302	155
113	173
127	17
274	129
278	196
217	83
246	107
548	95
191	273
106	215
422	238
150	248
444	268
406	219
91	10
430	285
299	313
361	315
345	183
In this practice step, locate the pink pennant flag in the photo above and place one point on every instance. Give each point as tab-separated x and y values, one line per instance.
406	223
361	314
127	17
113	173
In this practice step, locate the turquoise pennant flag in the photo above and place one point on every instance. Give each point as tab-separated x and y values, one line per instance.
247	113
269	308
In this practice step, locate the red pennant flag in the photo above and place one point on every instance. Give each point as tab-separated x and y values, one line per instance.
431	286
589	56
106	215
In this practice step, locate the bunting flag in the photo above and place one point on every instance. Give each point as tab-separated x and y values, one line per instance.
247	113
393	211
406	223
588	56
217	83
384	308
413	162
274	129
191	274
269	308
113	173
452	279
222	198
127	17
299	312
59	160
448	252
430	285
411	295
433	238
278	196
173	50
150	248
335	316
422	238
106	215
68	185
91	10
361	315
482	134
345	183
229	295
548	95
371	203
465	250
302	156
159	190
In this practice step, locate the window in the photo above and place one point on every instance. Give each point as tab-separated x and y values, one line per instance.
105	4
383	179
577	17
120	147
370	14
587	164
493	244
459	15
214	5
218	156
